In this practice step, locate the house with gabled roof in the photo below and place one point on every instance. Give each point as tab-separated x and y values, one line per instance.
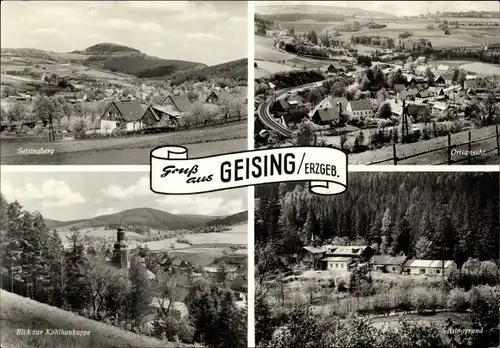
215	96
156	116
326	115
125	115
310	256
176	105
360	253
387	264
422	96
361	107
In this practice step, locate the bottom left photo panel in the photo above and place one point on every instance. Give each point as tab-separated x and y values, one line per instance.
96	259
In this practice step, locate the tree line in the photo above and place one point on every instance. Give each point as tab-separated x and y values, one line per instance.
424	215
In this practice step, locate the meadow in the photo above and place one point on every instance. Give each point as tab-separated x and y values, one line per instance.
23	313
129	150
264	50
265	68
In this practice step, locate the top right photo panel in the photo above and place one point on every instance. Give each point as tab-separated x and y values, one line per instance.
387	82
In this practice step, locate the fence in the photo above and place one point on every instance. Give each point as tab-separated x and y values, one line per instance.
449	147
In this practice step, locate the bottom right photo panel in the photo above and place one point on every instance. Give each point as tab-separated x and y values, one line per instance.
401	259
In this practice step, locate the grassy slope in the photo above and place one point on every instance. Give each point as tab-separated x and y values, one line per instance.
432	158
22	313
213	134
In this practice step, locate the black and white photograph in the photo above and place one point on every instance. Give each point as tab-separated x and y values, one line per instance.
399	260
105	82
96	259
388	82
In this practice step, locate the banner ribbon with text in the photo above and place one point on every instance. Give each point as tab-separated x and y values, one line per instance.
172	172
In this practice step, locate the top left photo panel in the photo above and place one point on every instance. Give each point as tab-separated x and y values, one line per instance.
104	83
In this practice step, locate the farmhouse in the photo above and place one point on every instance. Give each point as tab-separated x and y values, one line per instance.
332	102
448	77
176	105
427	267
362	107
215	96
387	264
156	116
358	253
310	256
288	103
422	96
479	83
124	115
439	80
325	115
335	68
337	263
436	92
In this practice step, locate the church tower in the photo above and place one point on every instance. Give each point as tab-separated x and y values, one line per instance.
121	256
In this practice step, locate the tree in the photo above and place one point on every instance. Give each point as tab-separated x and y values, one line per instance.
140	296
102	280
384	111
423	248
230	324
313	96
17	112
489	109
430	76
305	134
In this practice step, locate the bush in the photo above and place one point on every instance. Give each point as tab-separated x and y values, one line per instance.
413	137
427	132
380	138
421	299
356	122
458	300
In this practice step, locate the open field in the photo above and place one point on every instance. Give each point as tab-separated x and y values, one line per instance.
482	68
237	235
436	318
464	36
433	158
199	256
265	68
23	313
167	244
130	150
264	50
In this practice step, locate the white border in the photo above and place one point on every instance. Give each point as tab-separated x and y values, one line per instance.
251	190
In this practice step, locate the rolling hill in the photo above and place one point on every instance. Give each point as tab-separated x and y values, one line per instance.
138	217
295	12
23	313
234	219
109	56
236	70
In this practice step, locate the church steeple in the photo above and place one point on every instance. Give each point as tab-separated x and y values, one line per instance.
121	257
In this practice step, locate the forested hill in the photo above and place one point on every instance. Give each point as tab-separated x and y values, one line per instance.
236	70
423	215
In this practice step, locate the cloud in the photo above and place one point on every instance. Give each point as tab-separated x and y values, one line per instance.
161	6
141	188
202	37
52	193
106	211
118	23
150	26
46	31
196	204
237	21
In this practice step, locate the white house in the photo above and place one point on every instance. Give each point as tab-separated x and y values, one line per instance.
335	263
362	108
427	267
125	115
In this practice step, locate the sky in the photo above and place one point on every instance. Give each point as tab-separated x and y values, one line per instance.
68	196
200	31
403	8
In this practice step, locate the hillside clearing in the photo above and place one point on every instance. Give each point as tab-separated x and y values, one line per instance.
23	313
